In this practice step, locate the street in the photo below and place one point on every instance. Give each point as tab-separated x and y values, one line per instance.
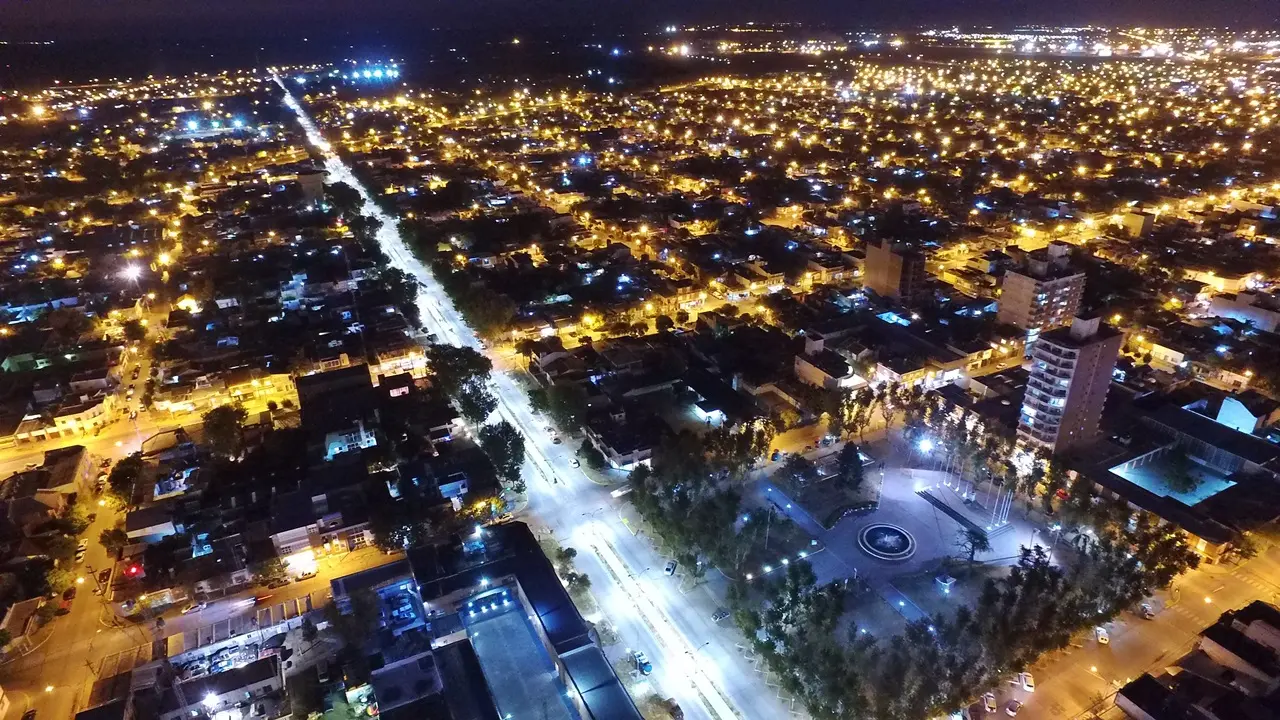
558	494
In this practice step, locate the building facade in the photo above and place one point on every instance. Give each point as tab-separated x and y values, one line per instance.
894	270
1070	375
1043	294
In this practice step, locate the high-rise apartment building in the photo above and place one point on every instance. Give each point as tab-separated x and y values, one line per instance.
1042	293
1070	374
894	270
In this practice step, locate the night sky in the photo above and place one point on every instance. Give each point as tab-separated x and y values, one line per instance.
33	18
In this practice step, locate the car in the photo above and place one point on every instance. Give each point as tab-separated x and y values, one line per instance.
1028	681
69	594
575	463
29	715
278	584
106	463
775	456
556	440
719	614
83	544
92	518
642	662
989	702
307	575
134	375
104	576
670	569
1147	612
192	607
1101	633
1012	708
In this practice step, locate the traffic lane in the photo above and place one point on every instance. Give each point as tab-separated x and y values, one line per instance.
690	613
635	634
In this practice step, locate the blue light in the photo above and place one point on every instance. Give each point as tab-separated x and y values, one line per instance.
300	80
377	73
624	279
584	160
1221	349
193	125
237	123
367	74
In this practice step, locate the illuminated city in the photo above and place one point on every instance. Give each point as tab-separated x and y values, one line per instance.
708	370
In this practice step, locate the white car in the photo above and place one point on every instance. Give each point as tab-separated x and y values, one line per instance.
1028	681
193	607
1101	633
989	702
1012	708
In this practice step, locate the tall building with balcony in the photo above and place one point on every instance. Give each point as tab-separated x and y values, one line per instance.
895	270
1070	374
1043	293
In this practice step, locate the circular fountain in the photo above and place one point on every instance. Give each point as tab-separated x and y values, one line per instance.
886	542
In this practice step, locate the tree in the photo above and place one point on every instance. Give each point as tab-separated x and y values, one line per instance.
663	323
567	405
972	542
67	324
271	570
453	367
564	559
60	547
505	447
134	331
123	476
344	198
309	630
849	467
1181	476
799	469
223	429
113	540
591	456
357	625
1242	548
5	638
475	402
403	289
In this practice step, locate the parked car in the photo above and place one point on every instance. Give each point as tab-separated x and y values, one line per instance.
69	594
192	607
1147	612
989	702
104	576
642	662
719	614
574	462
1101	633
1028	681
773	457
1012	708
670	569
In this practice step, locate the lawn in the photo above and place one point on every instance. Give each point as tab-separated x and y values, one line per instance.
826	500
924	590
781	540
